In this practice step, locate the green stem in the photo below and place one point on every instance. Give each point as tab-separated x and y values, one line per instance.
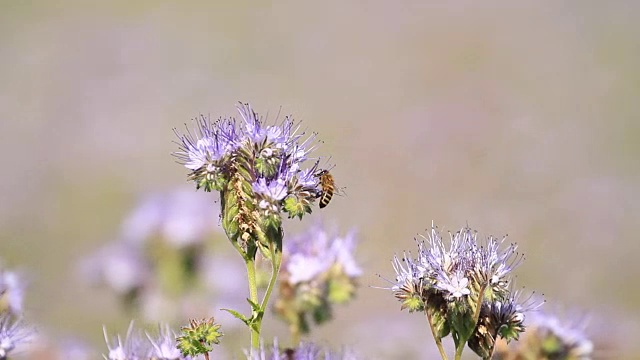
476	315
459	350
275	269
437	339
253	296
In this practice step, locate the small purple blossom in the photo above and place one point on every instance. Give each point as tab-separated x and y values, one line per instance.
275	190
209	143
455	285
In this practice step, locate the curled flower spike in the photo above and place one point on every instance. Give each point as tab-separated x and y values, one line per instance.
503	319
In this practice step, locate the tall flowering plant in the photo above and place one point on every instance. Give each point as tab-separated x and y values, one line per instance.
259	171
464	289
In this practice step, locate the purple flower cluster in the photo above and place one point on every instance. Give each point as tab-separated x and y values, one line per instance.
269	158
454	271
465	288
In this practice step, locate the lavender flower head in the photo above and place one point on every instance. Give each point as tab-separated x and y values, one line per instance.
464	287
258	169
453	272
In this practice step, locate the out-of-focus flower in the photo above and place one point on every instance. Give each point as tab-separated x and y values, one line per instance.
304	351
134	347
13	334
160	250
180	218
120	265
551	336
464	288
12	288
164	344
318	271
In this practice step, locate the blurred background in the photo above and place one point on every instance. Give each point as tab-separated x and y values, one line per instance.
514	118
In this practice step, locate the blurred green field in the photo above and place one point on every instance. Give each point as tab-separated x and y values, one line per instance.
515	118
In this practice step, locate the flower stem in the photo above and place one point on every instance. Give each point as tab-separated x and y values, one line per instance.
476	315
459	350
437	339
253	296
276	257
462	342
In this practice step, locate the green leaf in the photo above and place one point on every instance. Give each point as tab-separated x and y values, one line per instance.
237	315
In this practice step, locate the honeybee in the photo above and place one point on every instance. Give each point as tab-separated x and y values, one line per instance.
328	187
